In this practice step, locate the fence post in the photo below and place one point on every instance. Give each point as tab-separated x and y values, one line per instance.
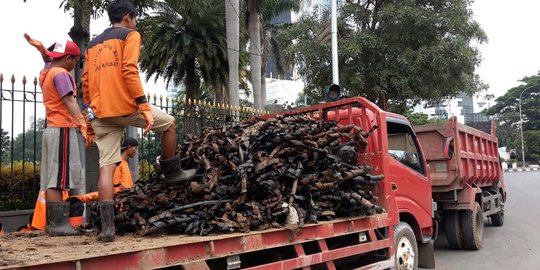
134	162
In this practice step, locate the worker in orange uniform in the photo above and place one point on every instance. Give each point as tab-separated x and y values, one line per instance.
112	89
122	175
60	161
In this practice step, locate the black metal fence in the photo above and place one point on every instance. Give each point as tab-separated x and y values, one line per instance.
191	117
20	142
22	122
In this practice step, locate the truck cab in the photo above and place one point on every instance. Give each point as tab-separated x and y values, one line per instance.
409	178
394	150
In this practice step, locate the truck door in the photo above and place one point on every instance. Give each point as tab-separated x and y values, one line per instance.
408	173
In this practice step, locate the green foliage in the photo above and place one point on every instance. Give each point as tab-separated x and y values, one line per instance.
532	139
27	150
506	111
18	185
418	119
408	51
185	41
150	147
146	169
97	7
6	144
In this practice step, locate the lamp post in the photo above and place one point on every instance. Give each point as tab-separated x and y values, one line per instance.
521	123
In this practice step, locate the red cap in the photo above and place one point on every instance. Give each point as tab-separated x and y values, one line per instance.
67	47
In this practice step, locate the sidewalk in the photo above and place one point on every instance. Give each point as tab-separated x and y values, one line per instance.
522	169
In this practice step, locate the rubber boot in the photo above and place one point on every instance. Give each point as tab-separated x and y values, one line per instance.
172	170
57	216
106	212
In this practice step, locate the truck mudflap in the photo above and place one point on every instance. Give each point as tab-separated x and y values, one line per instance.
426	255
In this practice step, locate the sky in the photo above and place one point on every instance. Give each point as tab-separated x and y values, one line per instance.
512	52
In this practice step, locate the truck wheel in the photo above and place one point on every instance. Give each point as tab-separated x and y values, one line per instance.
472	223
405	247
453	229
497	219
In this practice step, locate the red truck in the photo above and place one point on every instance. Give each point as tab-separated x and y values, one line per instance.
401	237
466	178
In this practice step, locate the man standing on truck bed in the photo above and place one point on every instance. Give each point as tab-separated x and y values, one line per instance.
112	88
60	162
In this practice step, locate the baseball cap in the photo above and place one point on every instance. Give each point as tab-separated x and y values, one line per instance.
129	141
62	48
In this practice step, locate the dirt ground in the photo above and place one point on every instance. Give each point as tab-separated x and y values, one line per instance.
27	249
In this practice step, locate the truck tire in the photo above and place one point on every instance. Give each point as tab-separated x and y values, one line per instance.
453	229
405	247
497	219
472	224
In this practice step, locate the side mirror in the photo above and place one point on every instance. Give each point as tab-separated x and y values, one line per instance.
449	150
332	92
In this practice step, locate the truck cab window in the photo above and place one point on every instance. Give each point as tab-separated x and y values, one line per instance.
403	147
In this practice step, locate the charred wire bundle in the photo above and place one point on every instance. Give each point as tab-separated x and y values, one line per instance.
256	175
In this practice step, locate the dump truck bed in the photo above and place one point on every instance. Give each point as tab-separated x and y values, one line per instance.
33	251
475	161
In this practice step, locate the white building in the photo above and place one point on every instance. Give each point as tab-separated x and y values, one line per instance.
466	108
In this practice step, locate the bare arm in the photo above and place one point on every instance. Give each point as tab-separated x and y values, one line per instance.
39	46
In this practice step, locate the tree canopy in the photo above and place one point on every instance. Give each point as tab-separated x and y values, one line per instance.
184	41
506	112
405	51
5	143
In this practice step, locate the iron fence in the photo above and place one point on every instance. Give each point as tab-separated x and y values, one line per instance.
192	116
22	122
20	142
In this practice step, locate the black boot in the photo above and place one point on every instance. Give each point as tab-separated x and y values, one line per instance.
106	212
57	216
172	170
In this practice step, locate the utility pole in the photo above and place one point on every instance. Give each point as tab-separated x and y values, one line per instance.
335	71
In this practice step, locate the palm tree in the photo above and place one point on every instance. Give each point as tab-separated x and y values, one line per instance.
233	48
185	42
269	40
254	30
265	10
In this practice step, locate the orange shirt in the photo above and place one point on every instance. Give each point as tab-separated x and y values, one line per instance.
111	81
121	179
57	113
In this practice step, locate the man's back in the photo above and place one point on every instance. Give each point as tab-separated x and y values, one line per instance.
111	79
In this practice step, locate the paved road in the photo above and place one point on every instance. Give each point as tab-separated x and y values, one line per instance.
515	245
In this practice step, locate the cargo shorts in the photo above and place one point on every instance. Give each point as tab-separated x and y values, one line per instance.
109	132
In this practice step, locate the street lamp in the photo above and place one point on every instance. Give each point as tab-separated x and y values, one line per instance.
521	123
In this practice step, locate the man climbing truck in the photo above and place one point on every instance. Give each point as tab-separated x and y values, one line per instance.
466	178
400	236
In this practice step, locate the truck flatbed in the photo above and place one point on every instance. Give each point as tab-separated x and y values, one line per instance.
34	251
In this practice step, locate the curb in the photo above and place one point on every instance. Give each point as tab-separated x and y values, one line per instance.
522	169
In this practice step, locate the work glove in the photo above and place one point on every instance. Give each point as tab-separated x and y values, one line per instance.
90	134
36	43
81	123
146	110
